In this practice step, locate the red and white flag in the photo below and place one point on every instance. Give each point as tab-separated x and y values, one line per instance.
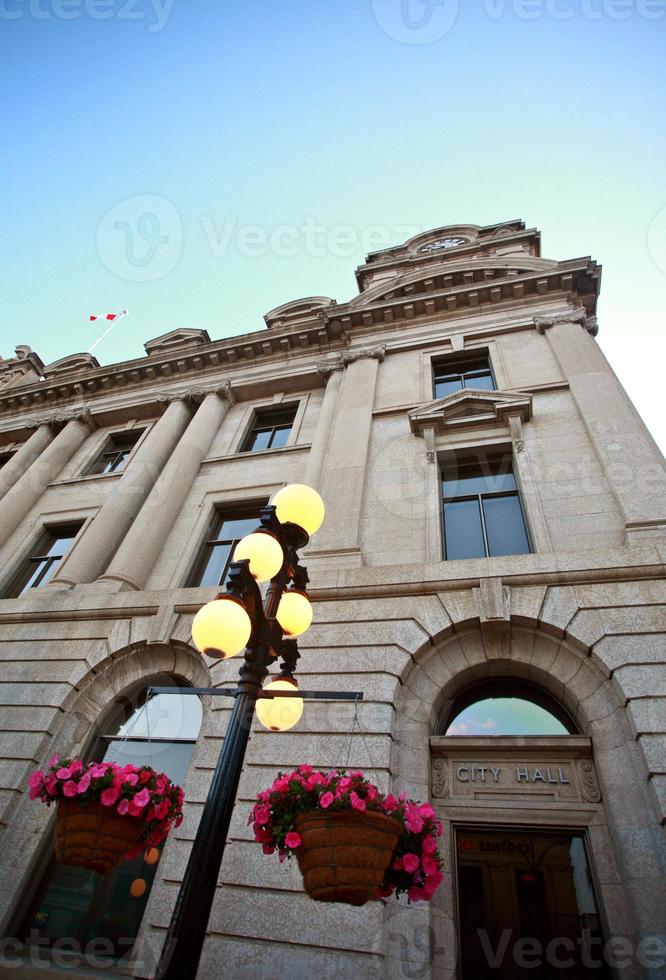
109	316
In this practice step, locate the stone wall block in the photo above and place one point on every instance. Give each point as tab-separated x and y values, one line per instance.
654	750
248	960
559	608
647	715
525	604
461	606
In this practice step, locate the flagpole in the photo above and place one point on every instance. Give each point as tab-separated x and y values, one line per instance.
107	331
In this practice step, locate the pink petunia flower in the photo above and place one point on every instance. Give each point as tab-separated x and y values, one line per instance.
268	848
262	815
429	865
293	840
64	773
356	802
429	845
69	789
131	779
410	863
325	800
426	811
83	784
109	796
123	806
35	779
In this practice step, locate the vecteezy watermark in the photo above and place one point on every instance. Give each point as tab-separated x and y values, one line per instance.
563	952
65	953
141	239
416	21
155	12
309	237
569	9
656	240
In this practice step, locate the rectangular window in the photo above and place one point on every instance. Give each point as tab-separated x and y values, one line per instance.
471	371
225	531
271	428
115	452
483	515
40	567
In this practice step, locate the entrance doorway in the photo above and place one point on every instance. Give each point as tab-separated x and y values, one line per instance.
526	906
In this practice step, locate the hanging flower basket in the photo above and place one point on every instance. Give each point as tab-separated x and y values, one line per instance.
343	856
106	812
352	842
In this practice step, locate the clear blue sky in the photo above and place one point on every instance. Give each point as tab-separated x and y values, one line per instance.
266	114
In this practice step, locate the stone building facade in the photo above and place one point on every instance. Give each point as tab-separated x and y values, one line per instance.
465	356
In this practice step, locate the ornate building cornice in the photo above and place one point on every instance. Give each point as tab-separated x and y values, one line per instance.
580	315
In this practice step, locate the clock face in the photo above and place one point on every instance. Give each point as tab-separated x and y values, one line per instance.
443	243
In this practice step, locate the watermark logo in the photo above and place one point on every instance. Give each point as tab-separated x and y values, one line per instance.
141	239
154	12
416	21
656	240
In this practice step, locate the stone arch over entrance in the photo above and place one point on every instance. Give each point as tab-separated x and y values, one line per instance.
621	828
82	711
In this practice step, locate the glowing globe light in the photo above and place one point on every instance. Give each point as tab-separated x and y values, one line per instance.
138	888
221	628
264	553
152	855
294	613
280	714
301	505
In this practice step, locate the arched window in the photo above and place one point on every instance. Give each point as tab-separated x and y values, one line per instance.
97	912
504	706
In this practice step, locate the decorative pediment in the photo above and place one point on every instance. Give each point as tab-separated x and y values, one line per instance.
25	368
296	310
71	364
471	408
177	340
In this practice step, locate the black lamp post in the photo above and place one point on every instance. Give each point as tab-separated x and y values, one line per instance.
266	643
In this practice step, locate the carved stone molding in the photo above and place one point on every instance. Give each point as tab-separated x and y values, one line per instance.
580	315
589	786
440	778
349	356
472	409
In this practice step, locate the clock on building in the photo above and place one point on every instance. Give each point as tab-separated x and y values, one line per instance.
443	243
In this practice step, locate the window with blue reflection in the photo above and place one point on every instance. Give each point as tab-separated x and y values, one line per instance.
482	511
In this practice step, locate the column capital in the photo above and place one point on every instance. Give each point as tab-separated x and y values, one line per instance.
579	315
221	389
327	368
58	419
195	395
378	352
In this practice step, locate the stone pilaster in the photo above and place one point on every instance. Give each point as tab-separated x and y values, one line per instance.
136	556
626	451
19	501
332	371
94	549
25	457
343	480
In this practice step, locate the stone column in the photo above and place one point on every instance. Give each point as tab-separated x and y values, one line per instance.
136	556
344	472
19	501
93	551
332	371
25	456
626	451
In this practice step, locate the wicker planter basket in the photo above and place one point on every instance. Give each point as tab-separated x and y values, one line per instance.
93	836
343	856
